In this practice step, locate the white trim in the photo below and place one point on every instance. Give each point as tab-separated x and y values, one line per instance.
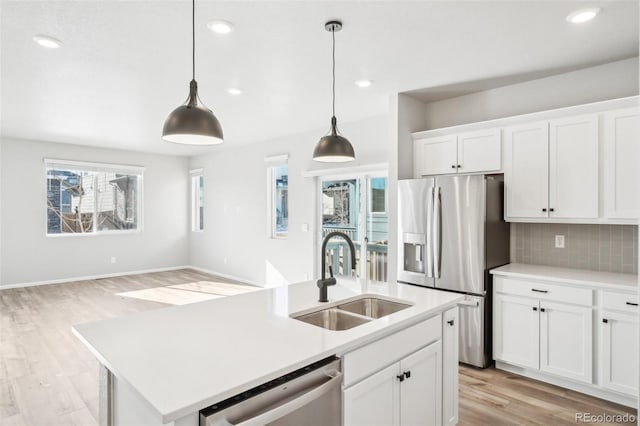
91	166
280	159
230	277
196	171
347	170
93	277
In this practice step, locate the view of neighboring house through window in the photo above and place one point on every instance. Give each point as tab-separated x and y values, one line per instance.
84	198
197	201
279	197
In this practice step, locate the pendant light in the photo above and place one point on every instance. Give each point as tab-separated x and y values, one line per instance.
192	123
333	147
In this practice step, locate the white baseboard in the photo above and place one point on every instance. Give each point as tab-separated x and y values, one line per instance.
589	389
93	277
231	277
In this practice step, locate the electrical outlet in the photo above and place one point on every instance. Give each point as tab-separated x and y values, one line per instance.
559	241
113	259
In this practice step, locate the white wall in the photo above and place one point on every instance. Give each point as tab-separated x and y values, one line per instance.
235	204
29	256
609	81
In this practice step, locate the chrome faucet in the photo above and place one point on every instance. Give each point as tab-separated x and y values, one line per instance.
324	282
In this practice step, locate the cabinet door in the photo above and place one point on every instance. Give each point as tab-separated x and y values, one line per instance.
450	367
421	391
526	170
573	167
566	341
374	401
619	352
479	151
516	330
621	171
435	156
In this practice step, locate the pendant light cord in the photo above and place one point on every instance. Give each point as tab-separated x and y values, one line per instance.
333	35
193	39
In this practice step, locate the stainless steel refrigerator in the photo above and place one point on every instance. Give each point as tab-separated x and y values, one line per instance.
451	232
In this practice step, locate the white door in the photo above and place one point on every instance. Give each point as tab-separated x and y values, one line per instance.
479	151
619	352
573	167
621	171
516	330
421	390
374	401
450	367
435	156
566	338
526	170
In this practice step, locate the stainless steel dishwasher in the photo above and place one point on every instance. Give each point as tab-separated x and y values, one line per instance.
309	396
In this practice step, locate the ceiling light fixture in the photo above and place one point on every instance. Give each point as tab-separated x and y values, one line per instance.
192	123
234	91
219	26
583	15
333	147
47	41
364	83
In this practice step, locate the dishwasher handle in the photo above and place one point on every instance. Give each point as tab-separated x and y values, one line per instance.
294	404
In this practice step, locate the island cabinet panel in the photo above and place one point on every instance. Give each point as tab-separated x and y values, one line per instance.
375	400
450	367
421	390
619	352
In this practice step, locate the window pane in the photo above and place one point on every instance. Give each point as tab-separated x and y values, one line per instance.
378	195
197	203
281	200
201	203
116	201
70	199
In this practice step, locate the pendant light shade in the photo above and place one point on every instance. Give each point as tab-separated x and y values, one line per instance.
333	148
192	123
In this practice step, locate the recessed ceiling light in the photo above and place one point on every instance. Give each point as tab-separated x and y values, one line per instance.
582	15
364	83
46	41
220	26
234	91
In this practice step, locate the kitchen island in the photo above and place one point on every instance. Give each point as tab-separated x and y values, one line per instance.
163	366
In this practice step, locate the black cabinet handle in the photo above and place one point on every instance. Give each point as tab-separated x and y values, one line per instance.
450	322
459	166
535	309
604	320
544	209
539	291
407	374
453	166
632	304
551	209
400	377
543	310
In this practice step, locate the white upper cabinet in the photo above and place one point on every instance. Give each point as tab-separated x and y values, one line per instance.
526	170
573	167
472	152
621	137
479	151
435	156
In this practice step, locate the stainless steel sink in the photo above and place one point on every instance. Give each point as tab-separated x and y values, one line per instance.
373	307
333	319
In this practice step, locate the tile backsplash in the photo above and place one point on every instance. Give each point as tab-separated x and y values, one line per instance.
607	248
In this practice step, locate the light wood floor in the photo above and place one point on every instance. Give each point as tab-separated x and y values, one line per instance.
47	377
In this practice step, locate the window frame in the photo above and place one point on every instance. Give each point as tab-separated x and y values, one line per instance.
272	164
197	218
73	165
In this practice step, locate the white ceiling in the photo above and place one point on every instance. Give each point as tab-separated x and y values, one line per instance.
125	65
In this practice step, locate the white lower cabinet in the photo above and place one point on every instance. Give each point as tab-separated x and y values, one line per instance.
407	393
516	330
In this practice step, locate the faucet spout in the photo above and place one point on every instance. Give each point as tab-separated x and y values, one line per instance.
324	282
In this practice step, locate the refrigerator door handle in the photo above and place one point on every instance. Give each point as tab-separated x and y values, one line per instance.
437	232
429	241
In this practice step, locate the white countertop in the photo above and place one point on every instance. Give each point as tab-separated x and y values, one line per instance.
627	282
181	359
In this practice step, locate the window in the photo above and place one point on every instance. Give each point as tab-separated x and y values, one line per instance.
90	198
197	200
378	195
279	201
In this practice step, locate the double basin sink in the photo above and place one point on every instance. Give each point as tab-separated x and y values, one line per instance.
351	314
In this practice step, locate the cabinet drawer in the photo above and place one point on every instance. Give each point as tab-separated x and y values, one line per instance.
619	301
373	357
544	290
